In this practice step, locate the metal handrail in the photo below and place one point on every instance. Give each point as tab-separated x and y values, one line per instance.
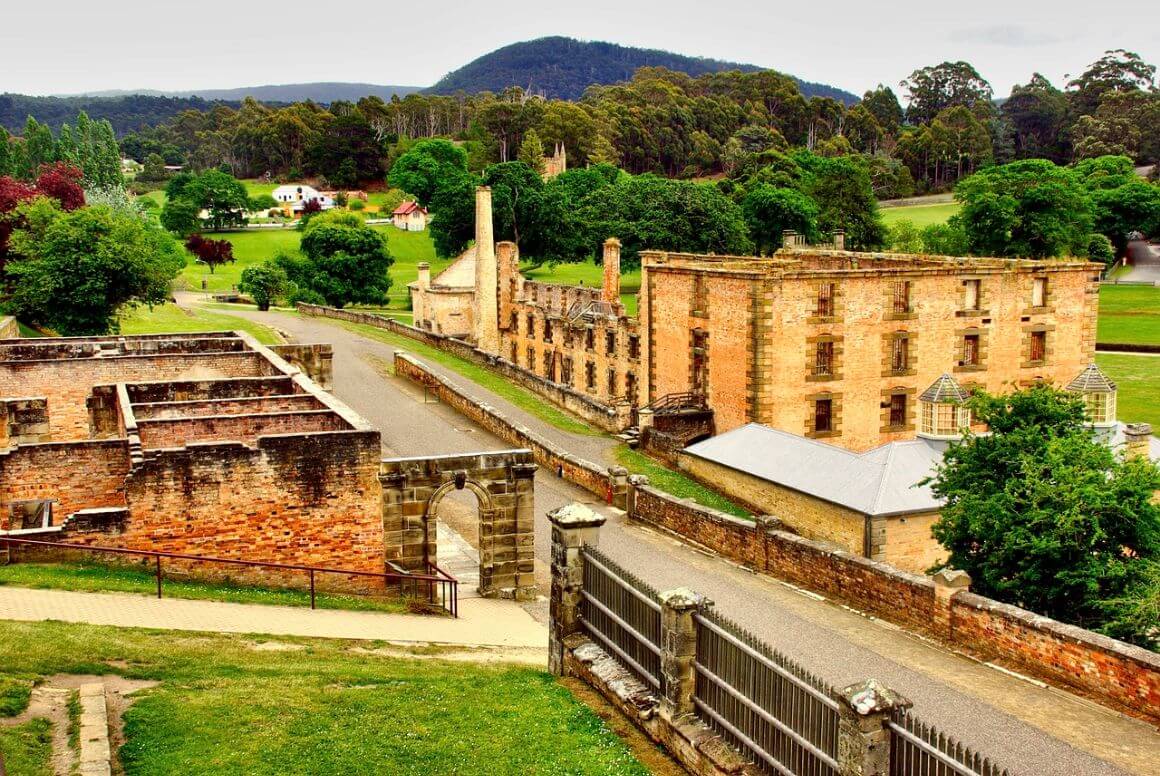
441	578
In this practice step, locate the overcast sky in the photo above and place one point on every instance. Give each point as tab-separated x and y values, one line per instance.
65	46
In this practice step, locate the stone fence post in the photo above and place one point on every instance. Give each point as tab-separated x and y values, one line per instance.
863	737
947	582
679	650
618	487
573	526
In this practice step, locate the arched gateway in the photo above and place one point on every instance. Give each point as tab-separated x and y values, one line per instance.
502	483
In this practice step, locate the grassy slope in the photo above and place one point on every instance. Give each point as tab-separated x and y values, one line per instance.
1137	381
921	215
97	577
167	318
1129	314
224	708
674	483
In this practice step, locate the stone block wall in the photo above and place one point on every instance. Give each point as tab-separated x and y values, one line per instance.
178	432
315	361
9	329
79	475
24	421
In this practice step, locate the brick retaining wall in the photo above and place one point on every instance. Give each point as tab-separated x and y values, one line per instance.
603	416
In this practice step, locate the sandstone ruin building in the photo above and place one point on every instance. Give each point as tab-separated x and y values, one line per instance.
215	445
821	342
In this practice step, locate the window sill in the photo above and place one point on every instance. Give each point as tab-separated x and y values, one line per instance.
970	368
821	319
972	313
823	378
822	434
900	316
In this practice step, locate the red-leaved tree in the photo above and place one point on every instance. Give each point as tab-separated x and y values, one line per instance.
12	193
62	182
212	252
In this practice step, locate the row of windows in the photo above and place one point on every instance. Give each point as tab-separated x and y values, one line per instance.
936	420
901	303
549	334
565	372
970	353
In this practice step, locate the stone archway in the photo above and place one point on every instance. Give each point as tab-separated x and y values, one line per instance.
503	485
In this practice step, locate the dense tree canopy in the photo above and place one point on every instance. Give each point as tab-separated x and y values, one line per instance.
1044	516
343	261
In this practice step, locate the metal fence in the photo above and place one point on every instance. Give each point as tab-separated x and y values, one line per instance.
918	749
437	587
623	614
763	703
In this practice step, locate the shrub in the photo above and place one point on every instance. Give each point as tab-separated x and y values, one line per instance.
1100	249
357	204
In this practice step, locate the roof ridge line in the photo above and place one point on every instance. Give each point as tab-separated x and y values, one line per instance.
882	478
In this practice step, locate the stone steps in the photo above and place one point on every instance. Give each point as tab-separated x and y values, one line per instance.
96	753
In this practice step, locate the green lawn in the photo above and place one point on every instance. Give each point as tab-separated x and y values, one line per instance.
319	707
97	577
27	748
167	318
1129	314
1137	381
675	483
921	215
587	274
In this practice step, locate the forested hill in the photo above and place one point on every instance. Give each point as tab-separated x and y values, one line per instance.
324	92
127	114
563	68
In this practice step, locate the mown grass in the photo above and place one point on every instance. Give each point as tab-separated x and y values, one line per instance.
520	397
588	274
1137	379
675	483
14	694
1129	315
99	577
226	709
921	215
27	748
169	318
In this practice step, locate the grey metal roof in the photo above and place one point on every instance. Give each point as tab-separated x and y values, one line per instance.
882	481
944	390
1091	380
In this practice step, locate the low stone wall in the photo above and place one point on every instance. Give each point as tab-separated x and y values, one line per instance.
603	416
1127	347
182	431
610	486
9	329
315	361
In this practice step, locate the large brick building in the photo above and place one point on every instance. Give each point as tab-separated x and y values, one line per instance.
837	345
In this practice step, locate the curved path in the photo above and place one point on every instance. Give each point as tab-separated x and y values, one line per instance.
1028	728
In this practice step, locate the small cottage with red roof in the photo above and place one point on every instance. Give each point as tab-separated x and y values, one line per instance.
410	217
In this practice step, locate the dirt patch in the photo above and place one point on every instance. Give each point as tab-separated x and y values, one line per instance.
273	646
483	655
119	696
651	756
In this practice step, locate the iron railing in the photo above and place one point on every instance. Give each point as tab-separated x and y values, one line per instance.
438	587
623	614
763	703
918	749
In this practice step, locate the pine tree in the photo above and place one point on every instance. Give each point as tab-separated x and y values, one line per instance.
66	146
39	146
532	151
84	140
603	152
106	156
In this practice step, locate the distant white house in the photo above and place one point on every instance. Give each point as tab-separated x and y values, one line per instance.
410	216
296	195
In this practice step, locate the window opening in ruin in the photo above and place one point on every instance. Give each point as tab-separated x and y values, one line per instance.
700	359
1039	292
634	346
550	366
531	326
897	410
611	383
970	350
590	375
825	306
31	514
531	359
590	339
1038	346
900	354
972	294
609	343
824	359
823	415
901	297
700	296
566	370
630	387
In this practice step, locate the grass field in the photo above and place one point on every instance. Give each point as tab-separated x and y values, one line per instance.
587	274
921	215
27	748
1137	379
1129	314
167	318
96	577
320	706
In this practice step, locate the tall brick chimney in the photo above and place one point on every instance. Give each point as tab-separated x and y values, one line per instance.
1137	440
485	307
610	290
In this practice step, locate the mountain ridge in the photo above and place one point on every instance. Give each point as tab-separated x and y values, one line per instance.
318	91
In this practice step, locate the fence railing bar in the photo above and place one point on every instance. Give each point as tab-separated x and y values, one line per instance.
960	768
749	742
644	673
793	734
773	665
627	585
644	640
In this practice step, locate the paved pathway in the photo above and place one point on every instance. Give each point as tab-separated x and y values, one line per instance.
482	622
1028	728
1144	263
